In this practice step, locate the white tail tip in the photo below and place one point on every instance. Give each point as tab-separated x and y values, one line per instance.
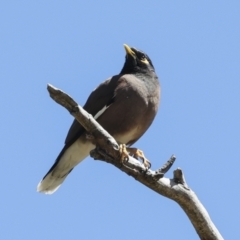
41	187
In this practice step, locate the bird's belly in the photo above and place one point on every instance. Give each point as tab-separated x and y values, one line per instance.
126	137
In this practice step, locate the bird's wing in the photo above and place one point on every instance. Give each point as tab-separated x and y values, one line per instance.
100	98
71	153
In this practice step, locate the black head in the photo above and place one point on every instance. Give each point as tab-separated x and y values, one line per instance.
136	61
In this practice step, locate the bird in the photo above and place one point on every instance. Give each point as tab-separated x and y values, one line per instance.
125	105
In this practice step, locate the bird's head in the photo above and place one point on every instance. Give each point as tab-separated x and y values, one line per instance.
136	61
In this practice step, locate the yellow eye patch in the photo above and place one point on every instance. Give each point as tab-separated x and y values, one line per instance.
144	60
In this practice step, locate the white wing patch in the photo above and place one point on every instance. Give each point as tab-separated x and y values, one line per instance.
101	112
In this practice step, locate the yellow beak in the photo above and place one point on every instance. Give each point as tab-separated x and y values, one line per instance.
129	50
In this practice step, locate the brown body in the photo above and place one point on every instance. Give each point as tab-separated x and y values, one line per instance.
133	108
125	105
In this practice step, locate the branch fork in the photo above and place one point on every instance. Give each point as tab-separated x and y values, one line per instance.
107	150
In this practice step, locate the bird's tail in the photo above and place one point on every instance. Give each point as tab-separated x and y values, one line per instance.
68	158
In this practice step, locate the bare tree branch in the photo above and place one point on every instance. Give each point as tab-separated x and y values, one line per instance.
107	149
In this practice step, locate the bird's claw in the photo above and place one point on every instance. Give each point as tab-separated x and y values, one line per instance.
123	153
136	153
147	163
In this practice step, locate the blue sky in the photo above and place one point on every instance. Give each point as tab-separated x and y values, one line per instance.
75	45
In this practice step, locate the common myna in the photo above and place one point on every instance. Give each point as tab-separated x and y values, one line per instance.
125	105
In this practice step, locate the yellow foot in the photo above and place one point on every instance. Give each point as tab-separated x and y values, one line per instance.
123	153
135	152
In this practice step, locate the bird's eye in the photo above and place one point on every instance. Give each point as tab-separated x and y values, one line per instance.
144	59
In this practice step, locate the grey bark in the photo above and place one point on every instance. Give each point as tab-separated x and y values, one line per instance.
107	149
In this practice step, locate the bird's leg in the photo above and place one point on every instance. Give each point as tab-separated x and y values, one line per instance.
135	152
123	153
